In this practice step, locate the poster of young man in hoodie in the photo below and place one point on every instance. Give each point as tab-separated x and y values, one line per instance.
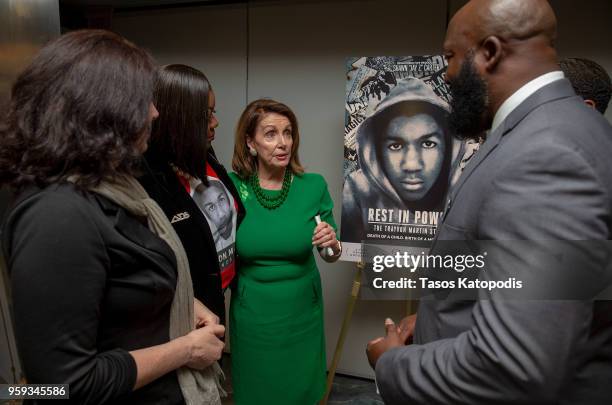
399	153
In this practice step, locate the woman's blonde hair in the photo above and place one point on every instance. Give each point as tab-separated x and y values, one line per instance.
242	162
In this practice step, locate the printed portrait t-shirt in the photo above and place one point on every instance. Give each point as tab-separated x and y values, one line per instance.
220	210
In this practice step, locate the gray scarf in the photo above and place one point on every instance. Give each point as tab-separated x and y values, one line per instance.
199	387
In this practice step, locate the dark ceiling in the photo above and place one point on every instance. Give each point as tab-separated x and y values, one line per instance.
131	3
143	4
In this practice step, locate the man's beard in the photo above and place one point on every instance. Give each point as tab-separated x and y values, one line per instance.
469	102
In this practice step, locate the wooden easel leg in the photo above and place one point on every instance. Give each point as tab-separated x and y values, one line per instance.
345	325
411	306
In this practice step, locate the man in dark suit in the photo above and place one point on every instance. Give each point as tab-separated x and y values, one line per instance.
541	179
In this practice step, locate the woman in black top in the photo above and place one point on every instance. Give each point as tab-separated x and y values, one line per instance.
94	263
185	178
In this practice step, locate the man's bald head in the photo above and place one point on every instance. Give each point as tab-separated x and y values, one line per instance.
499	45
507	19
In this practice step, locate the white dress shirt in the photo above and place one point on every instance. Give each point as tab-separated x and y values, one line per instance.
522	94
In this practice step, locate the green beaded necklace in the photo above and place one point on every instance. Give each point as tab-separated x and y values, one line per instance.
267	202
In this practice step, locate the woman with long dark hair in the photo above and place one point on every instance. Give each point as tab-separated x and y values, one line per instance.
185	178
101	291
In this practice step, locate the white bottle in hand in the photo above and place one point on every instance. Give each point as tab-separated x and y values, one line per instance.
328	251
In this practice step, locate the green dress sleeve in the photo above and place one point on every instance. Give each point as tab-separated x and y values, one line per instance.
326	207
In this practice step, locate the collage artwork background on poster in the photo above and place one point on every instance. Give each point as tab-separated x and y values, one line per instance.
399	155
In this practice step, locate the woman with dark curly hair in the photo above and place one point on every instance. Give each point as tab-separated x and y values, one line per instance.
101	291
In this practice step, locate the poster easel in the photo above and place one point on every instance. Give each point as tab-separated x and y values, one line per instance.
410	308
345	325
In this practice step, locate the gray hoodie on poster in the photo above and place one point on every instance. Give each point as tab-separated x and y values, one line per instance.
369	187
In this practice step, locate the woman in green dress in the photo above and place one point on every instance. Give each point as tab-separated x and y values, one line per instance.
276	315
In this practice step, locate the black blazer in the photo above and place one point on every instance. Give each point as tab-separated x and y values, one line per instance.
161	183
90	283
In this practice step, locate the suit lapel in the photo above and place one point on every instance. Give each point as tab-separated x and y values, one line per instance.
554	91
490	144
487	147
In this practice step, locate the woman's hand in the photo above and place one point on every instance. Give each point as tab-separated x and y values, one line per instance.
205	346
198	349
203	315
323	237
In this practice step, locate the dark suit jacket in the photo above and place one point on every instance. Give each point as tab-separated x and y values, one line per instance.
163	186
90	282
544	174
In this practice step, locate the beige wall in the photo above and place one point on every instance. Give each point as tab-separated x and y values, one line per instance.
212	39
298	55
295	52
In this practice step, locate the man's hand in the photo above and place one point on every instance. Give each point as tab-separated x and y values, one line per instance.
393	338
406	328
